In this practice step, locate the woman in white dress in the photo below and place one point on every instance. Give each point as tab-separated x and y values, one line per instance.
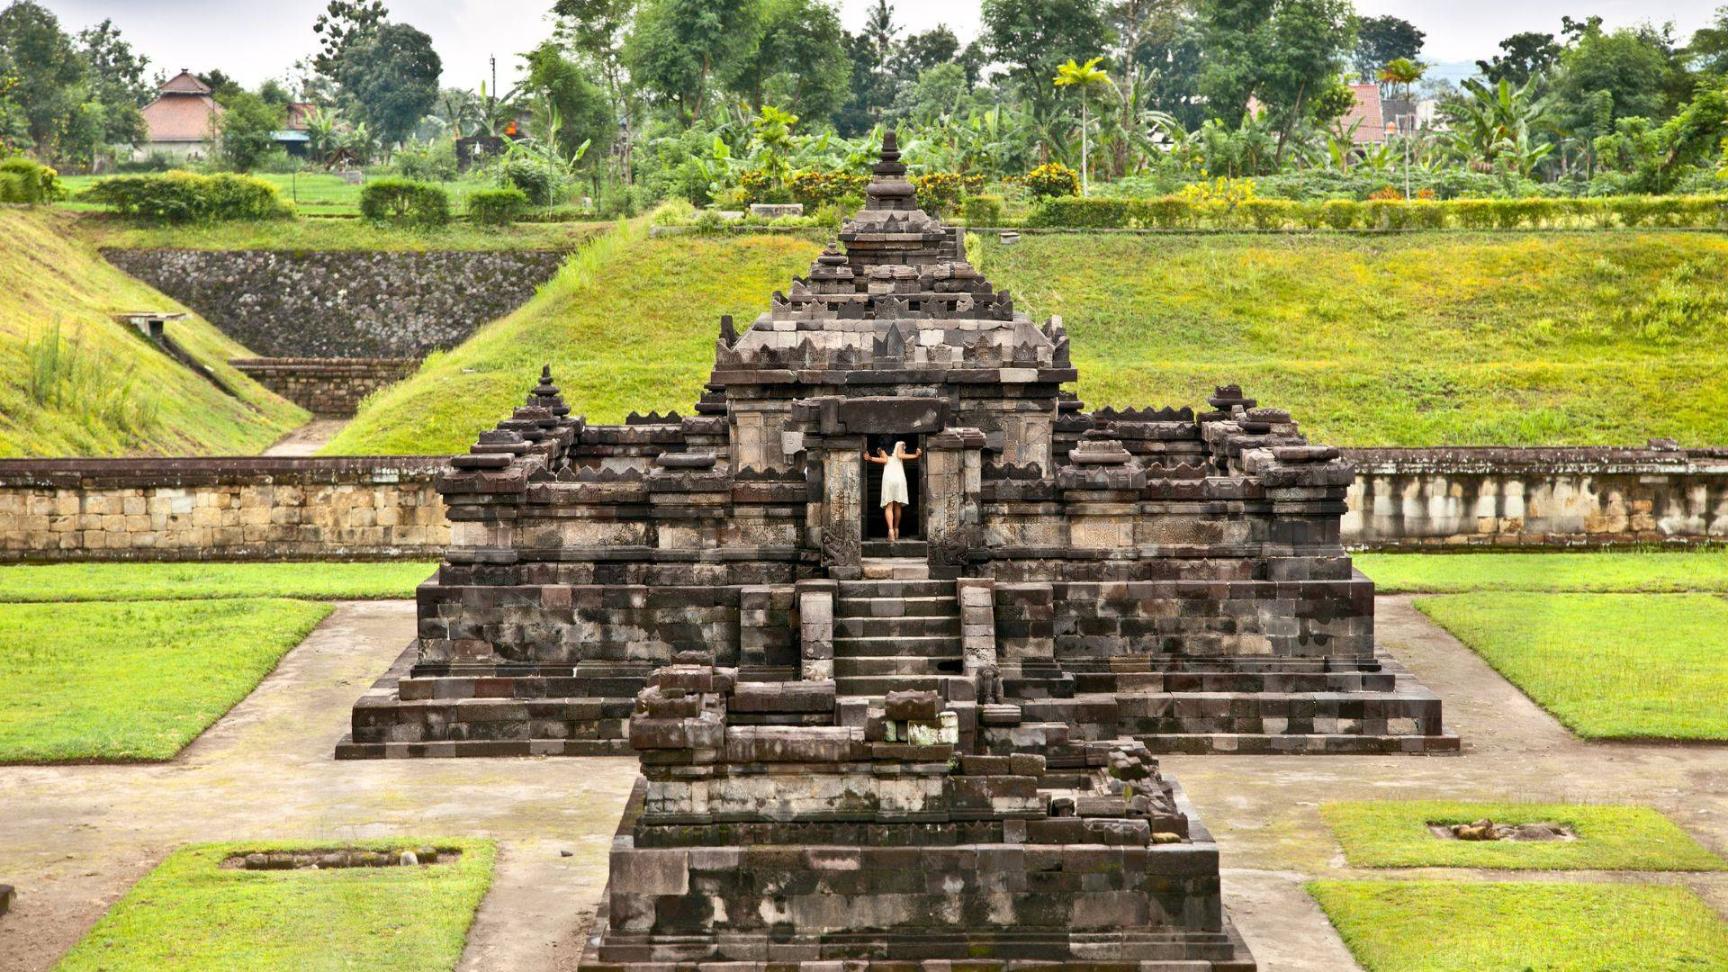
894	492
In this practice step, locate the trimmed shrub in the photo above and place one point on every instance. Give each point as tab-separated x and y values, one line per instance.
939	192
1341	214
1167	212
982	210
1076	213
403	201
186	197
1053	180
497	207
817	189
30	182
1269	214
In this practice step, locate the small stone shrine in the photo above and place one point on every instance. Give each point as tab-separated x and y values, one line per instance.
1141	580
778	824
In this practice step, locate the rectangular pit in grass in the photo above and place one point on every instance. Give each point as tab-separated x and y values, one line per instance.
192	912
1609	838
1459	926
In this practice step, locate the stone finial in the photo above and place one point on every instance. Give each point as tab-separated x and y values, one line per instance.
547	394
889	189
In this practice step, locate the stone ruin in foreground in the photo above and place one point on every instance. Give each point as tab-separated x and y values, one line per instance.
940	748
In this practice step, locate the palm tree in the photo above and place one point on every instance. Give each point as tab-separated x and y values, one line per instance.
1085	77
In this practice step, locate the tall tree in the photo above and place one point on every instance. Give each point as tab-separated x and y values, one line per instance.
344	22
1608	76
678	48
48	74
392	75
1382	40
247	130
873	86
583	109
1084	79
1034	37
798	61
1288	54
595	31
1521	59
921	52
116	81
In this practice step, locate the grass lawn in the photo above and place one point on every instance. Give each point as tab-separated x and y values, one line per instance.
169	581
190	914
1610	838
628	325
133	681
73	382
1608	666
1628	572
1430	926
335	234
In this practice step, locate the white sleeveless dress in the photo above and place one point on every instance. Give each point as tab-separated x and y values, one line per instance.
894	482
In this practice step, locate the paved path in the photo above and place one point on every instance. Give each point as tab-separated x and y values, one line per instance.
309	438
74	838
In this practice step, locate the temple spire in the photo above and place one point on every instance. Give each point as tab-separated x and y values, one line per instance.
889	189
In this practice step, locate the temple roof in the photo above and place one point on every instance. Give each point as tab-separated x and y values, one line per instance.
897	292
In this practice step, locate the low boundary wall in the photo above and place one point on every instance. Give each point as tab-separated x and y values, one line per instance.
1564	497
253	508
384	507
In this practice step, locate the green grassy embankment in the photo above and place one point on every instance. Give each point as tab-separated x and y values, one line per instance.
334	234
1426	339
628	325
73	382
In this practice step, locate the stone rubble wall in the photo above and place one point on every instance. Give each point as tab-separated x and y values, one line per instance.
344	304
326	386
1509	498
255	508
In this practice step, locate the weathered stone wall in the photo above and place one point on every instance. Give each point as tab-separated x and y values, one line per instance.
1568	497
343	304
221	509
326	386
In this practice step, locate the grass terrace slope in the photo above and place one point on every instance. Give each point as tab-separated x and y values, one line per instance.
1425	339
628	325
73	382
1436	338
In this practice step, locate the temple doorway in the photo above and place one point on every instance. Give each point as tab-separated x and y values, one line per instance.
912	520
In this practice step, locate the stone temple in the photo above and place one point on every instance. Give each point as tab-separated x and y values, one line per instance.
1151	574
890	754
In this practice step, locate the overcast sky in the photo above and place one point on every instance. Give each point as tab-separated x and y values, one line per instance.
261	38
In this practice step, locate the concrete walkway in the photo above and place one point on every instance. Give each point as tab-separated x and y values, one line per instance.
74	838
309	438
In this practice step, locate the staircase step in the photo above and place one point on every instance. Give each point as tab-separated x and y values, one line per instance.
928	646
896	588
896	550
895	568
901	627
896	607
851	667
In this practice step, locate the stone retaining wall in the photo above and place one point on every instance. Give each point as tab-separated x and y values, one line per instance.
381	507
343	304
1566	497
376	507
326	386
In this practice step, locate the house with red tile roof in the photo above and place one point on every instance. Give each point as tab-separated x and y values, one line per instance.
182	120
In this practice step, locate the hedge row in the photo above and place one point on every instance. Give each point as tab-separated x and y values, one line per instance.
1176	212
186	197
26	181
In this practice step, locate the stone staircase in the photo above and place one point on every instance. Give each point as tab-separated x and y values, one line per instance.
895	630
